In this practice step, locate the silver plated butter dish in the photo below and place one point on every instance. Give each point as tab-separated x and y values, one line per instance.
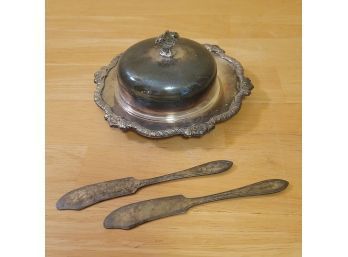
169	85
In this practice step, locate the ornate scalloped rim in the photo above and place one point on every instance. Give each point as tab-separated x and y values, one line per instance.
193	130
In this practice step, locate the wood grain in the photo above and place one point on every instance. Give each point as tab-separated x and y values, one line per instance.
263	139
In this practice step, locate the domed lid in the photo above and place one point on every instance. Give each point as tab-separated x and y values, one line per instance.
168	71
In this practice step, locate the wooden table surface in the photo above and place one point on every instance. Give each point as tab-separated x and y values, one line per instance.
263	139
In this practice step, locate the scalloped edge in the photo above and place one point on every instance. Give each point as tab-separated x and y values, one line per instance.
195	130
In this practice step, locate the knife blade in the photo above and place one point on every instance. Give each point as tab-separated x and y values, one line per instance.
133	215
86	196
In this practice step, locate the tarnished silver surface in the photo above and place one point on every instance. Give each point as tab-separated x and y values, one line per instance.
166	41
221	101
173	83
133	215
86	196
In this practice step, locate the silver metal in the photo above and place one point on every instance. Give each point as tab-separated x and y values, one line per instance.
148	80
221	102
88	195
166	41
135	214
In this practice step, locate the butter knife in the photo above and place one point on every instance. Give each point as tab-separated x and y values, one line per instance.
86	196
135	214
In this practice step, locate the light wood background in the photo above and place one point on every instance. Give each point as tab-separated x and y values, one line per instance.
263	140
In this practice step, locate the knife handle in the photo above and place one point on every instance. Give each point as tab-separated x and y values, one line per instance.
265	187
201	170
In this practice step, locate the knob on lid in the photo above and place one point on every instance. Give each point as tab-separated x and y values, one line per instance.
168	71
